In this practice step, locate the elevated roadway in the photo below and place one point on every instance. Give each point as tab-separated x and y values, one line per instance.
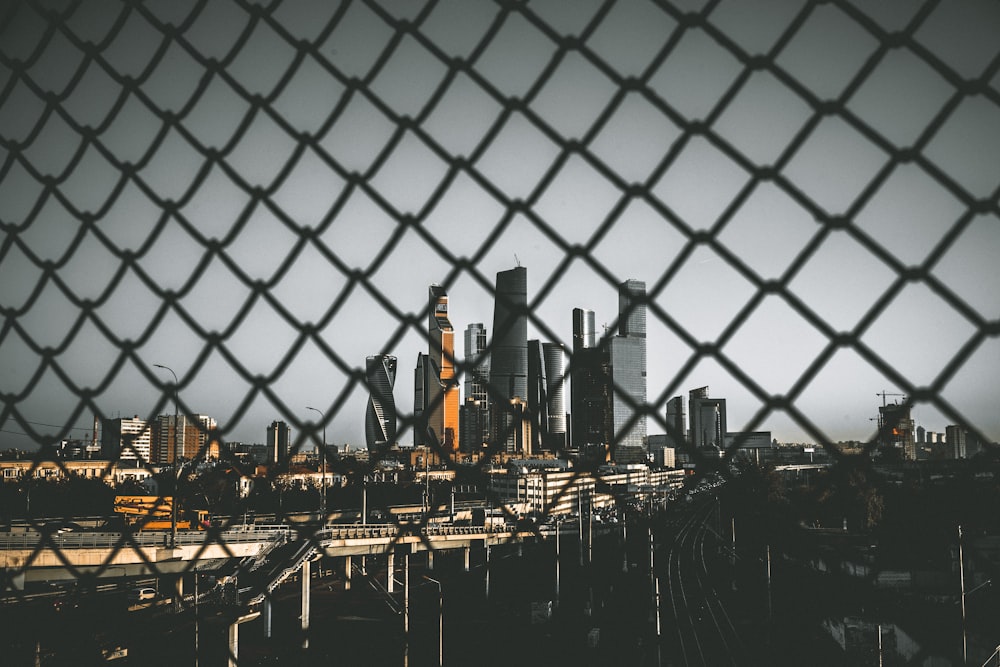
33	556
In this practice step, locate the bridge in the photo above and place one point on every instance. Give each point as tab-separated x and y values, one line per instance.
31	556
261	556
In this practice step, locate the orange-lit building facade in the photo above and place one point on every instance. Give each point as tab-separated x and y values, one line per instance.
191	438
442	394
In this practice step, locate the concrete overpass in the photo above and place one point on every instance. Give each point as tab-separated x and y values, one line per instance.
31	556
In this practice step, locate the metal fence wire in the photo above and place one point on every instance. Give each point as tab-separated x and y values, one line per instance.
193	120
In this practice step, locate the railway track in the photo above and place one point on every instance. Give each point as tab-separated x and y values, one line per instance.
700	630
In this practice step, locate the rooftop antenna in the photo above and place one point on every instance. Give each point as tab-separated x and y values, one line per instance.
516	260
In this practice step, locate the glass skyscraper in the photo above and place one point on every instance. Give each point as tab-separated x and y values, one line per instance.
555	377
509	358
546	405
707	419
475	410
441	398
380	417
608	388
628	372
590	385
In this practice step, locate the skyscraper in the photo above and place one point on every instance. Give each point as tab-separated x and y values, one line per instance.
608	387
628	373
475	409
954	436
380	417
278	442
555	376
538	409
441	399
546	405
896	430
509	358
707	418
590	385
676	422
421	376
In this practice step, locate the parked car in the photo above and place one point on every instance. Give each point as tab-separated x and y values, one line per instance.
142	594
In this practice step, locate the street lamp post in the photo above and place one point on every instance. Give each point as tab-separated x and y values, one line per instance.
961	577
195	616
322	486
965	594
558	555
440	620
177	472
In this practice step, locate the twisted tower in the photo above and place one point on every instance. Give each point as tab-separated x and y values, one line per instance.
380	418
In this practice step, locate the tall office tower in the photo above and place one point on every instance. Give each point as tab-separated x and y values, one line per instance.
475	411
420	392
191	438
954	437
676	426
896	430
278	442
590	385
380	417
546	403
477	361
537	403
707	418
628	373
126	439
555	376
508	384
921	435
584	329
474	425
442	396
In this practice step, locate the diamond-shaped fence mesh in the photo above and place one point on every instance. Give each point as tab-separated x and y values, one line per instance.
256	196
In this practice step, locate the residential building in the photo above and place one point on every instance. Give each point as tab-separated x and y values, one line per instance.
955	438
126	439
111	472
189	439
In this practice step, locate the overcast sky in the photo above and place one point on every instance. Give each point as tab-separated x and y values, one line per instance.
198	156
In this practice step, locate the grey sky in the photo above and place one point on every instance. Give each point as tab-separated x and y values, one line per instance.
283	142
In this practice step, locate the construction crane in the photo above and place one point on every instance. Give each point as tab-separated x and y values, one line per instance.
884	393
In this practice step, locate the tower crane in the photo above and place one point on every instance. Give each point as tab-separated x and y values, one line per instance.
884	393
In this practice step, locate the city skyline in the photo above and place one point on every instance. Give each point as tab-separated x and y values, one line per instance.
262	224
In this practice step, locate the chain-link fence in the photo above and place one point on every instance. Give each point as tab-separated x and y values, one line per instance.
248	193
